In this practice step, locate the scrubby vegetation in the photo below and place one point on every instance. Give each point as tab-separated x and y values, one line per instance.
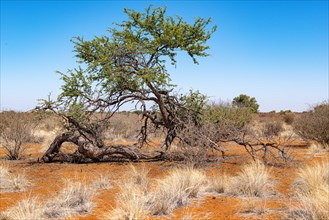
225	154
16	129
314	125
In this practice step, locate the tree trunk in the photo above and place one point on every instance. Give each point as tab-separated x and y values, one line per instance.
89	151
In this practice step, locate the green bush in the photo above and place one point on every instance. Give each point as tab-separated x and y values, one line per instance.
247	102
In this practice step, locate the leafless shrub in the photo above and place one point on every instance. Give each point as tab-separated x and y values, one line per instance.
314	125
272	128
12	182
219	122
288	117
16	129
312	190
251	181
25	209
74	198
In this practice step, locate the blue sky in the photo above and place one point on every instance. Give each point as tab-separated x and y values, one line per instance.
275	51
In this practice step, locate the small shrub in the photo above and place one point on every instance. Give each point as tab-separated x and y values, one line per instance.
16	129
272	128
252	181
312	190
314	125
288	117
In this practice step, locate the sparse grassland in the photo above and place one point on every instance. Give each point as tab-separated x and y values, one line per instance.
230	188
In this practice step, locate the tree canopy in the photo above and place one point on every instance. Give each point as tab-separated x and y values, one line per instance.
129	66
247	102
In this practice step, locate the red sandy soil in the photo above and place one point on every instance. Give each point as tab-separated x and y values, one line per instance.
47	180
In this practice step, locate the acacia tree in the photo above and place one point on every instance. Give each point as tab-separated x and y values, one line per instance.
246	101
127	66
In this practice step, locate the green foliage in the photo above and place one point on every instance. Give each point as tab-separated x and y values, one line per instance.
193	106
224	114
246	101
129	65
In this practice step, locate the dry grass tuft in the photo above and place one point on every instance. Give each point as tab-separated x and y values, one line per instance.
316	149
74	198
132	202
188	215
12	182
252	181
139	177
250	205
312	190
175	189
136	201
103	182
218	184
25	209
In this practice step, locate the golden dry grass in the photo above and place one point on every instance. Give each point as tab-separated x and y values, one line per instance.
312	190
132	202
176	189
75	198
251	181
12	182
26	209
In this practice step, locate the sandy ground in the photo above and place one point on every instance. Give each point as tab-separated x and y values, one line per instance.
47	180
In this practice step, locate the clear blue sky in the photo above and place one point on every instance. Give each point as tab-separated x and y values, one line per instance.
275	51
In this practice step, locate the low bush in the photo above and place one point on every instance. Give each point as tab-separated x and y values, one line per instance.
272	128
314	125
16	129
288	117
